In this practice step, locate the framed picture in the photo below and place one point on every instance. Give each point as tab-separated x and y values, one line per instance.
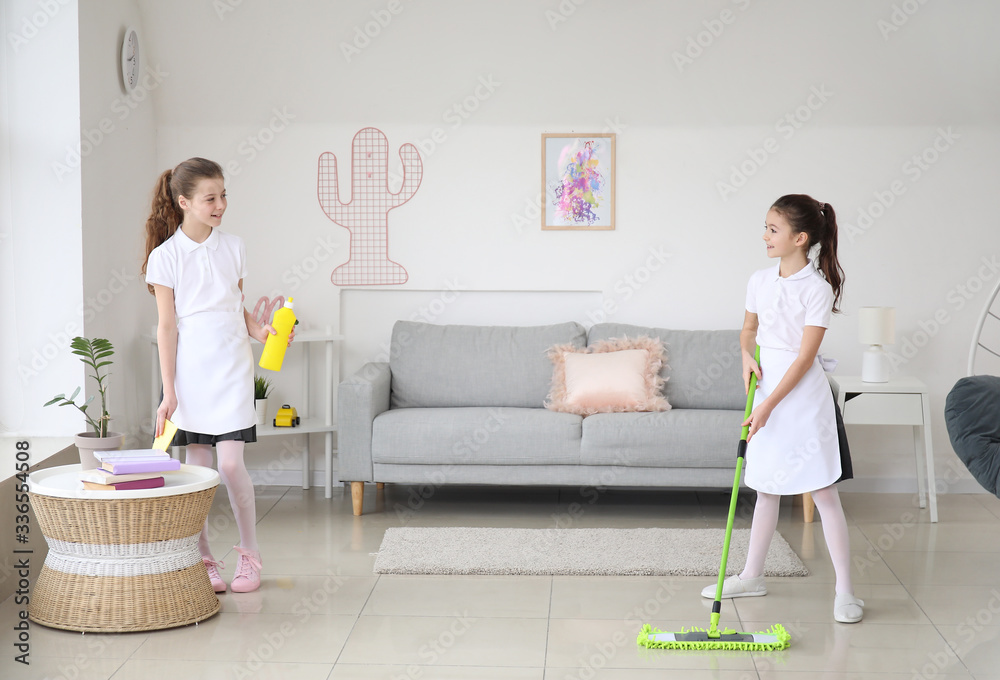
578	181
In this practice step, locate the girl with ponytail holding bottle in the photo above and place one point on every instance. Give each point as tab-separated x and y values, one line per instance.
196	271
796	441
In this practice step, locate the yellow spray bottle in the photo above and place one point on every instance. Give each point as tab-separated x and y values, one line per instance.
274	348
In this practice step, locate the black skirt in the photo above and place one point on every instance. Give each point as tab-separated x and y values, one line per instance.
846	468
183	437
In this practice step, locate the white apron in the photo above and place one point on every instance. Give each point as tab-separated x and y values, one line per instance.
214	373
797	450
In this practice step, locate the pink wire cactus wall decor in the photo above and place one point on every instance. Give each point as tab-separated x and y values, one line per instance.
265	307
366	215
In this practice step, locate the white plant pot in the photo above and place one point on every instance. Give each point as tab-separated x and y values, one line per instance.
88	442
260	406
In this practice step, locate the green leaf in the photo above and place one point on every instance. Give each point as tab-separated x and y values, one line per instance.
54	400
75	392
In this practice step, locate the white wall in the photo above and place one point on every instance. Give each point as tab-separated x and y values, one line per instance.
117	188
40	221
847	93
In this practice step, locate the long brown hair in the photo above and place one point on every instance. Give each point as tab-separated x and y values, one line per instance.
166	214
819	222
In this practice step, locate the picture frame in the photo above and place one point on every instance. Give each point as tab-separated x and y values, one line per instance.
578	181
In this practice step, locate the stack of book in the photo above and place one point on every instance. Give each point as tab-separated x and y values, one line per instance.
129	470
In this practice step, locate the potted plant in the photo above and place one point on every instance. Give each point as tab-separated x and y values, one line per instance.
261	388
91	353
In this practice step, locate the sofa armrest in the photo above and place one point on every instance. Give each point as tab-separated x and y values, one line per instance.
360	398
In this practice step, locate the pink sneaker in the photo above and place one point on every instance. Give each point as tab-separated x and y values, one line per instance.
218	585
247	577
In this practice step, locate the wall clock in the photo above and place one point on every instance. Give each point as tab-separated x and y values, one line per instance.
130	59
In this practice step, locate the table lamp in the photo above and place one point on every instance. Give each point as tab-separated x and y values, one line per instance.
876	328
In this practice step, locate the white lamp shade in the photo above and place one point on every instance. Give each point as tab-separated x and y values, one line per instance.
877	325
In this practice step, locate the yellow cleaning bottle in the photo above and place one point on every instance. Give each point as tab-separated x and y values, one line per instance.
274	348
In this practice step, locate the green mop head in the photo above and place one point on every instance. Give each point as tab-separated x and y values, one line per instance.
774	639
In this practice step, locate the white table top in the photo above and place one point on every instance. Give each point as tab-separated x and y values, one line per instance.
64	482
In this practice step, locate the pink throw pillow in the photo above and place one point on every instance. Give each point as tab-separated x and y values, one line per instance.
610	376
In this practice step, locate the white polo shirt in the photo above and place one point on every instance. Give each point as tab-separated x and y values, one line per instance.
785	306
204	276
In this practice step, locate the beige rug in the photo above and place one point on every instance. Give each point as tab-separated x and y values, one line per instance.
608	552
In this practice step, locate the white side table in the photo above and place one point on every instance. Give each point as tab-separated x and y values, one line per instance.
901	401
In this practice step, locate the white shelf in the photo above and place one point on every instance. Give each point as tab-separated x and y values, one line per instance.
305	426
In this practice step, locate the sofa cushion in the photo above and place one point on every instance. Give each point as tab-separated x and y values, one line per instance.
702	369
476	436
680	438
441	366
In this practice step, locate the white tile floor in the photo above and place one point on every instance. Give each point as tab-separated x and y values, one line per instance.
932	595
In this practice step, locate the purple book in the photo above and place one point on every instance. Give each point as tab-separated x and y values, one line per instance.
126	467
152	483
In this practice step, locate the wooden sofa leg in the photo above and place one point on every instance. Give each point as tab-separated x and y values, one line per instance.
357	497
379	486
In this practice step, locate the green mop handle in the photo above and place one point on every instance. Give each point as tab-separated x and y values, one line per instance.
741	453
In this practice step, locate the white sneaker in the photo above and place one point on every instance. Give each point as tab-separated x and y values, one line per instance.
734	586
847	608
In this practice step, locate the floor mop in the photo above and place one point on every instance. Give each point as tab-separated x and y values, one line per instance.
772	639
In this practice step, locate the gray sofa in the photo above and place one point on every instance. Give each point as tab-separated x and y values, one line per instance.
464	405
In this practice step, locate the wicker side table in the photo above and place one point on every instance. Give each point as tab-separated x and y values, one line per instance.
122	561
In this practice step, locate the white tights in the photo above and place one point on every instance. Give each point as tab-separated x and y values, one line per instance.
234	475
765	521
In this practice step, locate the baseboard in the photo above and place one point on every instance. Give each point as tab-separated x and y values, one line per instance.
265	477
907	485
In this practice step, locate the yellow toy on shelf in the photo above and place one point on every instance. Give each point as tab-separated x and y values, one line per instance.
286	416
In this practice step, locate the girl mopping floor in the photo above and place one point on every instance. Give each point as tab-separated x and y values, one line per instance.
794	436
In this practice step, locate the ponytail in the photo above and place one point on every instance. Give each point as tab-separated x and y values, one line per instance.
163	219
828	262
819	222
166	214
